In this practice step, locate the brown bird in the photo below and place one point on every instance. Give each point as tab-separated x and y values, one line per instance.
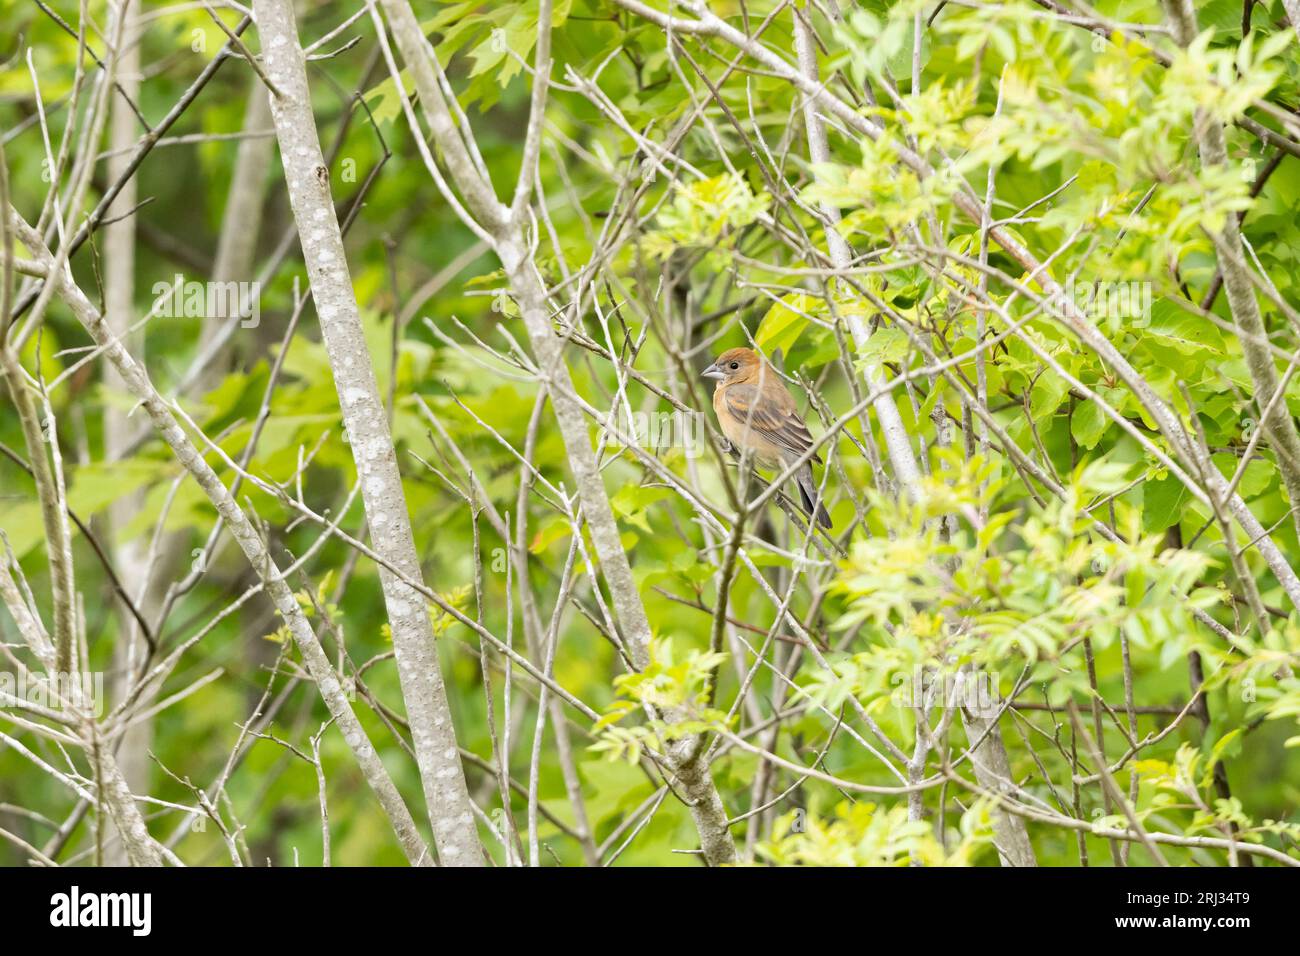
758	414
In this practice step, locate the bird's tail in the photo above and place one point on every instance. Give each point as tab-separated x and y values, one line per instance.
808	497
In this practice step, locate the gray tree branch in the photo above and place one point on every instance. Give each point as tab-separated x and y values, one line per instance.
366	420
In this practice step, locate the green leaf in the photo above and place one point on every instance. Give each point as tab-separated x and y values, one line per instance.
1173	330
1087	424
1047	394
633	502
785	321
886	344
1226	747
1163	503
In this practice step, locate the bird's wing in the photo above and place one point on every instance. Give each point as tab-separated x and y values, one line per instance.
778	422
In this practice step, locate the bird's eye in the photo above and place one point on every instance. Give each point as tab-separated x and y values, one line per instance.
735	365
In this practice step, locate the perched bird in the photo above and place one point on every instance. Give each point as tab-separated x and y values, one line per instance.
758	414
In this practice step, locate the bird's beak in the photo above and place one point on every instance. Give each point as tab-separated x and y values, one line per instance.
712	372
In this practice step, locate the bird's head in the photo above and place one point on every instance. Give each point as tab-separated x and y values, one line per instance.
735	365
